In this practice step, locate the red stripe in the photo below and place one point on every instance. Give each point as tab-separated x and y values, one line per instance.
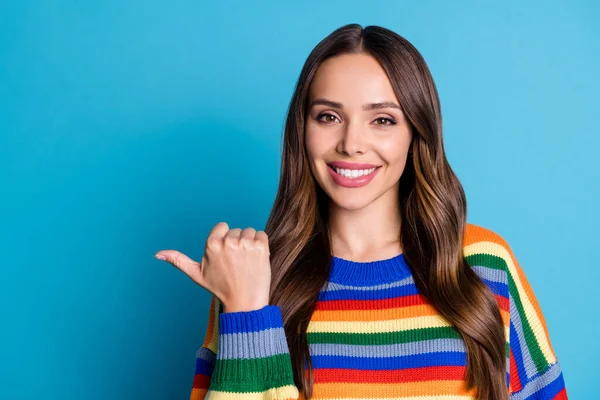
562	395
515	381
201	381
382	304
324	375
502	302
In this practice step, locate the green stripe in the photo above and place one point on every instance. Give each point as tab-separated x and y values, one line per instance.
487	260
412	335
491	261
252	374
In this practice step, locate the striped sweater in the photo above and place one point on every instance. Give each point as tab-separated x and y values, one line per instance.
373	336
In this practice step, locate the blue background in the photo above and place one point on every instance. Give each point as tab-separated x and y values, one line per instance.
131	127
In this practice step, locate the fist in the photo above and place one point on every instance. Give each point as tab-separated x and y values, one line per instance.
235	267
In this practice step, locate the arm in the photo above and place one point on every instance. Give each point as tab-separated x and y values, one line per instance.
244	354
535	372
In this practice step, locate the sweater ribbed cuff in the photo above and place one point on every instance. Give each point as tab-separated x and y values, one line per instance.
253	354
250	321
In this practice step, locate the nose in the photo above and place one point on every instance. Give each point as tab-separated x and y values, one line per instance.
353	140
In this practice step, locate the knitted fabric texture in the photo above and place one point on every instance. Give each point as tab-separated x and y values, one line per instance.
374	336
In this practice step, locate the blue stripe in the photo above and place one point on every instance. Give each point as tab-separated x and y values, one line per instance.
204	367
434	359
497	287
518	356
349	294
250	321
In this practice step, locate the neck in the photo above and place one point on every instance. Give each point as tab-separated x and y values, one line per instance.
368	233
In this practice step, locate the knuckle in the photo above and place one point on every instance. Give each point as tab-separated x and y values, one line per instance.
177	260
230	241
265	249
213	243
246	242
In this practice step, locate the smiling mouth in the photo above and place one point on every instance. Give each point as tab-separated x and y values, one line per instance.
353	173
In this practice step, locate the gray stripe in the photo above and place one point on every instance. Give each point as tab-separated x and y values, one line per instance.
491	274
538	383
515	318
499	276
331	286
387	350
265	343
206	354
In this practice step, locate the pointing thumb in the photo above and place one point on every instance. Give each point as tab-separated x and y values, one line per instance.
188	266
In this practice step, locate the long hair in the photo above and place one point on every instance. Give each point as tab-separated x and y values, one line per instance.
433	217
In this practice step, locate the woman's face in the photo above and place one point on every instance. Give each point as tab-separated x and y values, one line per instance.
357	138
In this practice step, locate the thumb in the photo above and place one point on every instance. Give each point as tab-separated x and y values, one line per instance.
188	266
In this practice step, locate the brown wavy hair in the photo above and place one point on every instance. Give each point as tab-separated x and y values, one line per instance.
433	217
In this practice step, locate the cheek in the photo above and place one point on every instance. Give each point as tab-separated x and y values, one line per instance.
313	148
394	151
317	143
309	141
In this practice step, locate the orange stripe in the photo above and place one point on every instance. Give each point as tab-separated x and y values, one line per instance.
475	233
379	390
505	317
198	394
211	322
384	315
374	315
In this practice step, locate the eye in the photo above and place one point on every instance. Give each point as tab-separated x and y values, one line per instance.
328	119
386	121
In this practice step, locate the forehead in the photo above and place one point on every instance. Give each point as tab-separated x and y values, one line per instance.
352	79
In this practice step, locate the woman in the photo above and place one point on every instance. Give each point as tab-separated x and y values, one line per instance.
368	281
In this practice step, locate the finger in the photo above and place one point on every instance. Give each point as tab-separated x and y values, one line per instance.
234	233
219	230
248	233
232	237
262	236
215	237
188	266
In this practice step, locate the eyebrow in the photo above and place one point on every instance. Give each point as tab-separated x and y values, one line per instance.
366	107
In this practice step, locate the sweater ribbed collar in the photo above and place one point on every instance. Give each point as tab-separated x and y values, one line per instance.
369	272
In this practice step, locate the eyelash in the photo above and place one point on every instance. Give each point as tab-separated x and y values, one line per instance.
391	121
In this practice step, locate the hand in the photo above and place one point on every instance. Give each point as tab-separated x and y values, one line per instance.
235	267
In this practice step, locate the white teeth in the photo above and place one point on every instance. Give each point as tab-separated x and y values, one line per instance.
354	173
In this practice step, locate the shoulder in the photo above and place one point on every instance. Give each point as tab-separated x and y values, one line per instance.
483	239
489	253
487	247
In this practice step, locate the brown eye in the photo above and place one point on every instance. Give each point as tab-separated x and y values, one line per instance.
328	117
386	121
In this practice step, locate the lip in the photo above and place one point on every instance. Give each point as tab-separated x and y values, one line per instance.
351	182
349	165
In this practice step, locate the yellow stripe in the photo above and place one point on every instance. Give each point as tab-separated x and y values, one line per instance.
386	390
392	325
213	345
485	247
280	393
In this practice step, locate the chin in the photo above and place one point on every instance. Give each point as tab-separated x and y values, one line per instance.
348	203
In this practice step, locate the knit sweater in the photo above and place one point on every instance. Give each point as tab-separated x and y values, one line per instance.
373	335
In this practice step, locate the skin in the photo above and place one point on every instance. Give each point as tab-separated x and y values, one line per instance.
364	221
